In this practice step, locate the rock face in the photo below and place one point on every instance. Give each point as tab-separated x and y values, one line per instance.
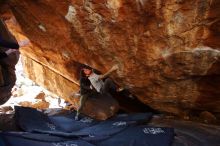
41	103
168	50
189	133
100	107
8	72
7	65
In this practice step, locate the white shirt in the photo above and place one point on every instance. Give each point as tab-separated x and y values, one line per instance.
96	82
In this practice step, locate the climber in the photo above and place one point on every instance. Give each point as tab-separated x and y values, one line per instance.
86	90
101	83
91	83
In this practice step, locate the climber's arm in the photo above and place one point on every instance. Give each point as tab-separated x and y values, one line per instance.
114	68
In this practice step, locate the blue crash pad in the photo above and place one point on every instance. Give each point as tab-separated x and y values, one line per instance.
141	136
19	140
121	130
67	126
31	120
131	136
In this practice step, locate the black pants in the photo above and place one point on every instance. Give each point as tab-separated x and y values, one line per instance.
83	99
109	87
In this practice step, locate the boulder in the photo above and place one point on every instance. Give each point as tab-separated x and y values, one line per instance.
8	74
5	109
41	96
168	51
40	104
100	107
208	117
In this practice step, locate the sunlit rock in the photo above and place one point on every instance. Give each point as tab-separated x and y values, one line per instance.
168	51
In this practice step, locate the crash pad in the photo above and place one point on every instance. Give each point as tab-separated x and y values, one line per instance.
17	139
69	127
121	130
141	136
31	120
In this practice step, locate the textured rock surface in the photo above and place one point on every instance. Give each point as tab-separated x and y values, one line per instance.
8	69
168	50
190	133
41	103
47	78
101	107
7	64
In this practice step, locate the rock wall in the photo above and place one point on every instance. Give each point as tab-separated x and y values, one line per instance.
7	65
168	50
